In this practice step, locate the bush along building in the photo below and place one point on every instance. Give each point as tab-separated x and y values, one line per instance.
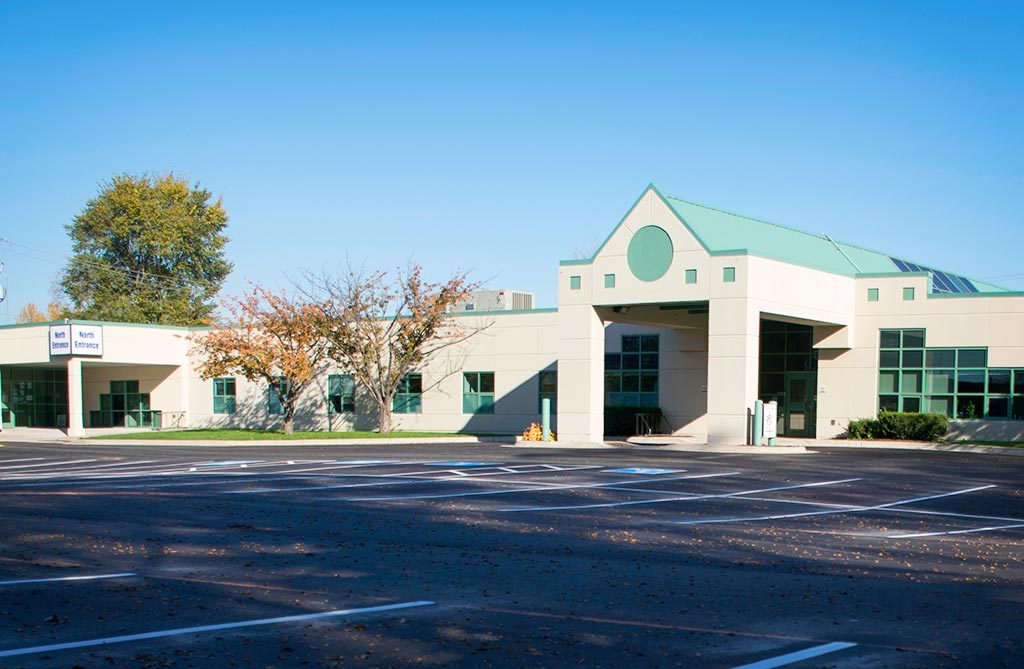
686	313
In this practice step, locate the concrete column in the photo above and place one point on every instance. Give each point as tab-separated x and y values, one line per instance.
76	424
733	353
580	374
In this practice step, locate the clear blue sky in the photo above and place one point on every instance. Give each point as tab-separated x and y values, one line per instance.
501	139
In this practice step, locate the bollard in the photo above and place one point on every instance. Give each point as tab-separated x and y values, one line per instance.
758	422
545	419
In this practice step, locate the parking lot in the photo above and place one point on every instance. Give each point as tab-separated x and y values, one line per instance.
284	555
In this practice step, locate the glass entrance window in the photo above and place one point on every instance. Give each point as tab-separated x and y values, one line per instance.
123	406
34	396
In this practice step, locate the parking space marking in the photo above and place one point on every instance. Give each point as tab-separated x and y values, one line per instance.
211	628
548	488
20	460
46	464
22	581
642	470
799	656
832	511
972	530
463	463
690	497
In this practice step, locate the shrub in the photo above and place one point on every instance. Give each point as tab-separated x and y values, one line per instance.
536	433
621	420
891	425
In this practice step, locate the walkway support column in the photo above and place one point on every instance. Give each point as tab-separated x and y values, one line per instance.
733	352
76	425
580	374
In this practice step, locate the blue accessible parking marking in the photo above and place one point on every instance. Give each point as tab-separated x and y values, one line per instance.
641	470
461	463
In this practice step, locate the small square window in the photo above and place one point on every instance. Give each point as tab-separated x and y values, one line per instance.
908	294
691	276
729	274
609	280
872	294
575	282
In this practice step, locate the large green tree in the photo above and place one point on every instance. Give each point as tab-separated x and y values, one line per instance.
147	249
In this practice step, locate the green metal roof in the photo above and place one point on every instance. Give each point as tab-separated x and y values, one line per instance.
722	232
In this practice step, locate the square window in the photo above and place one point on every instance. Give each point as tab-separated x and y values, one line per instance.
908	294
972	357
913	339
575	282
872	294
939	381
889	382
612	361
999	381
913	358
911	405
970	406
998	407
940	358
889	339
911	382
971	381
630	344
889	359
691	276
943	405
609	280
649	343
729	274
889	403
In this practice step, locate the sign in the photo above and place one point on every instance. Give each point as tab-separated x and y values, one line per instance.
771	420
76	339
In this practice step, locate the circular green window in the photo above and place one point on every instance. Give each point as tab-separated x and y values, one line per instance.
649	253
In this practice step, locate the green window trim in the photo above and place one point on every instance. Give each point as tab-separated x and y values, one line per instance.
872	294
953	381
575	282
632	377
124	406
341	394
274	406
908	294
729	274
409	396
609	280
478	392
691	276
224	401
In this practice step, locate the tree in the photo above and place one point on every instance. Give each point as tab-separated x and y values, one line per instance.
269	338
147	249
30	313
381	327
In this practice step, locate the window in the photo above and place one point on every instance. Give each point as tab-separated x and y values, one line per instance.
224	395
575	282
872	294
631	377
341	393
409	396
548	389
470	307
478	392
729	274
953	381
691	276
123	406
609	280
908	293
274	406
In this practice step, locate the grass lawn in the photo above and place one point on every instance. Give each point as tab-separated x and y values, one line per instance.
270	435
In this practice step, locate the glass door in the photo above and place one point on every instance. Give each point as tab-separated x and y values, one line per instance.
800	400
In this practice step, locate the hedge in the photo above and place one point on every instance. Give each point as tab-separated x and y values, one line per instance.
891	425
620	421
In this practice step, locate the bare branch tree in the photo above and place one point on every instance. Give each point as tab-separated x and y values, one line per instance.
382	326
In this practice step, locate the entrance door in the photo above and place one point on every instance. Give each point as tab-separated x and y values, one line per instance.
6	415
800	399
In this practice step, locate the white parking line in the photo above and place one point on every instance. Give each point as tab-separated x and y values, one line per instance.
47	464
210	628
972	530
684	498
798	656
548	488
848	509
66	578
20	460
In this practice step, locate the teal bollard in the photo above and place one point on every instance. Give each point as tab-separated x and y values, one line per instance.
545	419
758	422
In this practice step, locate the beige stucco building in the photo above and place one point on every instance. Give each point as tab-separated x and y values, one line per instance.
684	308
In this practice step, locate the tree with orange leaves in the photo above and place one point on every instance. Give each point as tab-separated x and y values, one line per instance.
270	338
381	326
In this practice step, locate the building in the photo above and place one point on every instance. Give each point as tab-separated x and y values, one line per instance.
684	307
